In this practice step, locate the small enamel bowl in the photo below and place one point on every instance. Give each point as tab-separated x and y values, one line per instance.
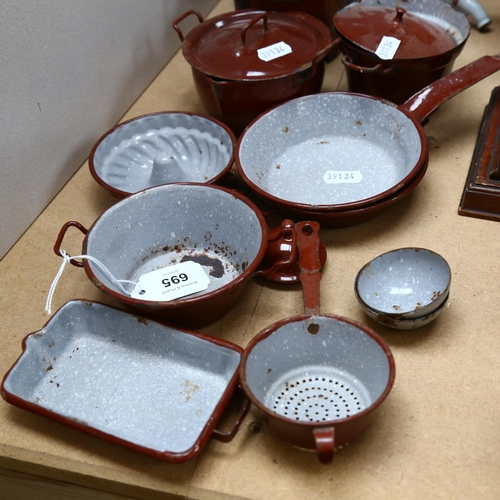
404	288
405	323
162	148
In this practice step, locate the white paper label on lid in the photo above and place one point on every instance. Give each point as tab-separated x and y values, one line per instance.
171	282
274	51
343	177
387	47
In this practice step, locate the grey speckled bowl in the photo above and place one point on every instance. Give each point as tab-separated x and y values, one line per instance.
168	225
162	148
402	323
404	284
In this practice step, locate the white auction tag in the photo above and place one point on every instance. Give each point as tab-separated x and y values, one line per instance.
343	177
387	47
274	51
171	282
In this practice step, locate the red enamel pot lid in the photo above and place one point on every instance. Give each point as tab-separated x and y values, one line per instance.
256	45
365	26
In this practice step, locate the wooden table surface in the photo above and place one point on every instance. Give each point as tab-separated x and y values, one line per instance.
437	434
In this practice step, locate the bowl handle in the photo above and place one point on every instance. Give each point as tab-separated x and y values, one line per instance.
324	438
225	437
62	233
179	19
286	232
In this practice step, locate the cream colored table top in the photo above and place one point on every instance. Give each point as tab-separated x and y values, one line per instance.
436	436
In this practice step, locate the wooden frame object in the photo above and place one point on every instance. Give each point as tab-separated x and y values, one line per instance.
481	195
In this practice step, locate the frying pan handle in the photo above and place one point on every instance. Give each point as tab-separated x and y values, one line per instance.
255	20
62	233
346	61
424	102
225	437
181	18
308	243
324	438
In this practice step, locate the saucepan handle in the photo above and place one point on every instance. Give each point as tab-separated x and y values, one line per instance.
181	18
255	20
62	233
424	102
225	437
324	438
346	61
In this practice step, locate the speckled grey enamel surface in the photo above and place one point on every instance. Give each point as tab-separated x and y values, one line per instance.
168	224
406	281
143	382
333	374
290	151
162	148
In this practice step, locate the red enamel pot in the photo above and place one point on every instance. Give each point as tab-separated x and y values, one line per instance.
394	49
245	62
322	9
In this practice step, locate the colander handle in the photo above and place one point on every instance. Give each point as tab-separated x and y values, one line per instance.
60	237
225	437
308	243
324	438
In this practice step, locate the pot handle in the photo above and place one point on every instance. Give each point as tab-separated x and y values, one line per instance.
286	231
424	102
255	20
181	18
324	437
324	51
62	233
346	61
226	437
308	243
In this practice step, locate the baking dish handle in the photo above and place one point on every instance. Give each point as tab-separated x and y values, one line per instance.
324	438
225	437
181	18
62	233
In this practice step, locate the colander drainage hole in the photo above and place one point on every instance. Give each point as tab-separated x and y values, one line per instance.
321	404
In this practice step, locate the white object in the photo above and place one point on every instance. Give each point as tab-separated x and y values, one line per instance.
387	47
473	9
